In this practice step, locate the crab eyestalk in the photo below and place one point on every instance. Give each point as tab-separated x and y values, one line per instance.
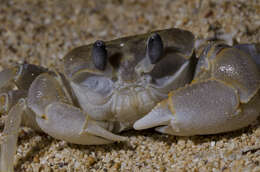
154	48
99	55
154	52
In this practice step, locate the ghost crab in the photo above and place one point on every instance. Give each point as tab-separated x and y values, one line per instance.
144	81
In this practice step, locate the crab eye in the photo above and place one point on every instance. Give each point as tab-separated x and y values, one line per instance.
99	55
154	48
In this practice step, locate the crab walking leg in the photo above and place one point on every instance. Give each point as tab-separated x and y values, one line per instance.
13	89
9	143
66	122
207	107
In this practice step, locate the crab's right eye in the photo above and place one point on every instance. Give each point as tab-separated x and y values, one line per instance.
154	48
99	55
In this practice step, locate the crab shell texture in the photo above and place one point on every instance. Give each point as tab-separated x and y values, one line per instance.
130	85
223	96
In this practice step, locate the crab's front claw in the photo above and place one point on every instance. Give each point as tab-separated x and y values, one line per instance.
57	115
207	107
223	96
66	122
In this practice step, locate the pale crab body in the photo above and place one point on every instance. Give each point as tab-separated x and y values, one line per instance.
135	82
129	86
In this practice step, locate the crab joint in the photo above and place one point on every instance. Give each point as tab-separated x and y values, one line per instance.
43	116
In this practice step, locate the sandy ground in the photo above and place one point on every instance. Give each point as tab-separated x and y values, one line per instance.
42	32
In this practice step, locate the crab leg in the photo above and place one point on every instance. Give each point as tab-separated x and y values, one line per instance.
9	143
13	89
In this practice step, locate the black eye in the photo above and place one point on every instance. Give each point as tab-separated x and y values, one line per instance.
99	55
154	48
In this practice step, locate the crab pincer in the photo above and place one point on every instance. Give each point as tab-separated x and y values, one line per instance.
223	96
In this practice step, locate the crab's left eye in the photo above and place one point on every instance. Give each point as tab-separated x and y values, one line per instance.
154	48
99	55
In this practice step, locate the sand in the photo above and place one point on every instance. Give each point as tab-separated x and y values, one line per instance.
42	32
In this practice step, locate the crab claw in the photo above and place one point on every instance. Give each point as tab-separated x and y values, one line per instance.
207	107
66	122
160	115
57	115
